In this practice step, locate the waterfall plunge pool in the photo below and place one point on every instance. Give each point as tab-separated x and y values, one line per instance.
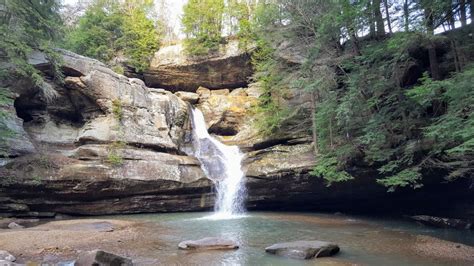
363	241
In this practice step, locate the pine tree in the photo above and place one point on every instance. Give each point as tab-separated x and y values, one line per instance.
203	24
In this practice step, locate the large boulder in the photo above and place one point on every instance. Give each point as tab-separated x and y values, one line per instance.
303	249
172	69
208	243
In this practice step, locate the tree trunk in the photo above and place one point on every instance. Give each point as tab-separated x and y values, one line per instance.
462	8
313	119
406	15
371	19
378	18
429	23
355	42
457	62
471	7
389	24
450	17
434	67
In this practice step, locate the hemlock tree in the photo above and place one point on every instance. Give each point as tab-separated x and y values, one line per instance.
109	29
203	24
25	27
140	37
363	113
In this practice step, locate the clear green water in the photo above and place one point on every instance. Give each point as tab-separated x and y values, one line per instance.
362	241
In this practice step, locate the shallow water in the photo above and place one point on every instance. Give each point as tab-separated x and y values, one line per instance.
362	241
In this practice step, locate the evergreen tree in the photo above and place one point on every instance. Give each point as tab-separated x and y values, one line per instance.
361	111
25	27
203	24
109	29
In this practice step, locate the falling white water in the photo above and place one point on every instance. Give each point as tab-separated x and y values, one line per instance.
222	164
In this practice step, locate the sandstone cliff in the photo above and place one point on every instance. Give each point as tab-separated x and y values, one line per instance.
227	68
108	144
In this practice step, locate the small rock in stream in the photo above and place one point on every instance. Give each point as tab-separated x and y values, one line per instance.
208	243
303	249
14	225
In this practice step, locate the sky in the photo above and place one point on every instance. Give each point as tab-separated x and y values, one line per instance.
175	10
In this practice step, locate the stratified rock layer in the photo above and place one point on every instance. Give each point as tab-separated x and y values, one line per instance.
172	69
105	144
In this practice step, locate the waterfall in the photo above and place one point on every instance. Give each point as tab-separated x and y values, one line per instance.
222	164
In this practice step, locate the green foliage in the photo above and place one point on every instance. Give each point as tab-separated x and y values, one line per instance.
5	132
114	156
109	29
140	39
205	22
97	32
117	109
407	177
331	169
363	116
269	73
202	24
118	69
27	26
452	133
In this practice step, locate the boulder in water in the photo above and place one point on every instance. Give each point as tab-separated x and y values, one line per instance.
100	257
14	225
303	249
208	243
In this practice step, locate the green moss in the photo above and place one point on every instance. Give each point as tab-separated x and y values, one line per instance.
117	109
118	69
114	156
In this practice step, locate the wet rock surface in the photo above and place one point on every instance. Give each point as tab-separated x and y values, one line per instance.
100	257
303	249
208	243
443	222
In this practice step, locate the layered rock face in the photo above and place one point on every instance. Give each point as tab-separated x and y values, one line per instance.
107	144
171	69
104	144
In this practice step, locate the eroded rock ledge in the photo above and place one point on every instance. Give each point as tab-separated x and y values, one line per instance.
104	144
171	69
